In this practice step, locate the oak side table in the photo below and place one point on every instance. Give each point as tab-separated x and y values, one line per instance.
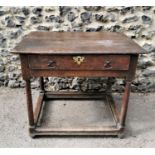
77	54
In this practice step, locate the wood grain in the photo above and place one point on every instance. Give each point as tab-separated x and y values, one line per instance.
77	42
66	62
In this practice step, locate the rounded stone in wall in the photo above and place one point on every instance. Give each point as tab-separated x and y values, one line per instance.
36	19
71	16
53	18
148	48
2	40
146	19
43	28
16	34
64	10
125	10
99	28
115	28
86	16
2	13
130	19
92	8
37	10
146	8
112	9
3	77
20	19
26	11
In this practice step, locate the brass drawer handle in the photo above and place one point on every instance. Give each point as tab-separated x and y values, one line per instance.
51	64
78	59
107	64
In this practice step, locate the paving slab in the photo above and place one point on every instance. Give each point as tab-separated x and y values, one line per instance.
140	130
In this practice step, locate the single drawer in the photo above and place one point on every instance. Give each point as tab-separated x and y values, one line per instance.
79	62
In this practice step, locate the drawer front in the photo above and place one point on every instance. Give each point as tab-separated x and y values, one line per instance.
79	62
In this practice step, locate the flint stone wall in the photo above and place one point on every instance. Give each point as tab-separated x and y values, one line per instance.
136	22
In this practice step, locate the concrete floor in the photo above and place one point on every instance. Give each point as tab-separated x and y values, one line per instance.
13	124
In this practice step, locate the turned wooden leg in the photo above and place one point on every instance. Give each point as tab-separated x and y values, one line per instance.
125	104
29	103
41	81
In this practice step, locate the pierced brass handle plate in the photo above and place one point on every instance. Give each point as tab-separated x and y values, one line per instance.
78	59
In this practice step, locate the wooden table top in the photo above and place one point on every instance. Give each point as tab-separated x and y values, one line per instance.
77	43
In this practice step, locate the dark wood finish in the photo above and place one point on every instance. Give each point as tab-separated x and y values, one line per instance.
38	107
29	103
82	54
77	43
25	67
125	104
132	67
114	110
41	81
102	130
66	62
82	73
74	95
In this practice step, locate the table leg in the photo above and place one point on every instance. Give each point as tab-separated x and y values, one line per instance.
124	107
109	85
41	81
29	103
